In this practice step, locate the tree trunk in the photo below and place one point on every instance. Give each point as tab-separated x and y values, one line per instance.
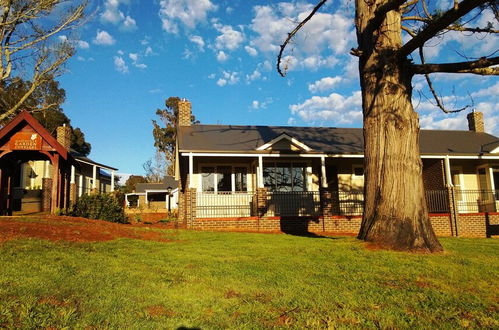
395	214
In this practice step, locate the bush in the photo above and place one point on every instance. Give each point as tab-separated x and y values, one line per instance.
100	206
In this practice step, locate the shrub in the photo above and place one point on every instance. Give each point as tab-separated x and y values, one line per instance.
100	206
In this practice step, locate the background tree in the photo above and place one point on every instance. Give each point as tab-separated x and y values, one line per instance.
395	212
29	49
156	168
45	105
165	137
131	183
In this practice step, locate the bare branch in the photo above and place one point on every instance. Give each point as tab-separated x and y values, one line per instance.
434	93
439	24
406	29
482	66
292	34
469	29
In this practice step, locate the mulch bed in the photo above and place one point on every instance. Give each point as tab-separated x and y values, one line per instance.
73	229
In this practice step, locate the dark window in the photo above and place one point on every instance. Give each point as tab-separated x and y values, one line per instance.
224	178
241	174
358	171
284	177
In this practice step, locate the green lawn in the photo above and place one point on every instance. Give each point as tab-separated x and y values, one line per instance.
240	280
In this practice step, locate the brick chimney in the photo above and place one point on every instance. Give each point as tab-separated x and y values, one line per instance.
475	121
64	136
184	113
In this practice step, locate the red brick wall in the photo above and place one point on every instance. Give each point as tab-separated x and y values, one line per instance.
468	225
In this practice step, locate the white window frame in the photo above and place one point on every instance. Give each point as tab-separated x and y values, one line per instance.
232	177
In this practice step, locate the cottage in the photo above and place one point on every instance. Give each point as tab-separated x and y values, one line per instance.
154	196
272	178
40	173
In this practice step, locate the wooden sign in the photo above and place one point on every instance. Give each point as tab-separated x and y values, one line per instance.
26	141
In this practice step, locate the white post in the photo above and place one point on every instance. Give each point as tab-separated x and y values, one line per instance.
94	177
72	174
191	169
447	171
46	169
112	180
323	172
260	172
80	183
126	200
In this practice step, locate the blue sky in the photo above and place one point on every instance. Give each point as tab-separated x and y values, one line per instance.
221	55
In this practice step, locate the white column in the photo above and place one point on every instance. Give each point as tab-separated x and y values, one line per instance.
260	172
323	172
72	174
112	180
491	178
80	184
94	177
191	169
447	171
46	169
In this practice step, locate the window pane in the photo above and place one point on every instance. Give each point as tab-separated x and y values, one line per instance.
283	177
269	177
298	177
208	178
223	178
241	178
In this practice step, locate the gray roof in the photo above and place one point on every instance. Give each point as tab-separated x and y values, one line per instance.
168	181
85	159
329	140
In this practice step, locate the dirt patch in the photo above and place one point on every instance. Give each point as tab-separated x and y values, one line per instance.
159	310
72	229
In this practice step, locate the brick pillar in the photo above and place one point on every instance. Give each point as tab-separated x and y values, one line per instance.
261	201
192	205
327	207
46	194
453	214
64	136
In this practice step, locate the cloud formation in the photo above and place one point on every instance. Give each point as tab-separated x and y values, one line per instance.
186	12
103	38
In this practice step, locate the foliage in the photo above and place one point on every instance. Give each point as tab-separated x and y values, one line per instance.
131	183
156	170
30	48
261	281
45	105
100	206
165	137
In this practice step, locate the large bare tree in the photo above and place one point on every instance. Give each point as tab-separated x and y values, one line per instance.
29	45
395	214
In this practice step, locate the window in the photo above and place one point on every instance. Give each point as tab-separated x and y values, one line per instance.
284	176
224	178
358	171
456	182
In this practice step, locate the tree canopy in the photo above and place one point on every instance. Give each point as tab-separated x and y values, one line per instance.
30	50
165	136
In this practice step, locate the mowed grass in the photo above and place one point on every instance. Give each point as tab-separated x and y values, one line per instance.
241	280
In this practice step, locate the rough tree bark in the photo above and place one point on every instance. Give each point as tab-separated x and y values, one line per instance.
395	214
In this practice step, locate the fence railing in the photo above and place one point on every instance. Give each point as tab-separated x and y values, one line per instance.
293	203
223	205
244	204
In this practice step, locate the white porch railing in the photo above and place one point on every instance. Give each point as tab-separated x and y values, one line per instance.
225	204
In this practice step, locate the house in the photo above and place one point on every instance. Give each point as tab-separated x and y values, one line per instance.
272	178
155	196
40	173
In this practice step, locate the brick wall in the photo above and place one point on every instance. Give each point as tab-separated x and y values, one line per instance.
433	174
46	194
468	225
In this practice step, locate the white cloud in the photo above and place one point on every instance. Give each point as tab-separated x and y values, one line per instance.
155	91
228	78
120	64
129	24
251	51
103	38
83	44
187	12
222	57
229	39
333	31
149	51
255	104
198	40
254	76
211	76
221	82
324	84
112	14
335	108
135	61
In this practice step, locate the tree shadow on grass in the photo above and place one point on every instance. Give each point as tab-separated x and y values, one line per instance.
299	226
